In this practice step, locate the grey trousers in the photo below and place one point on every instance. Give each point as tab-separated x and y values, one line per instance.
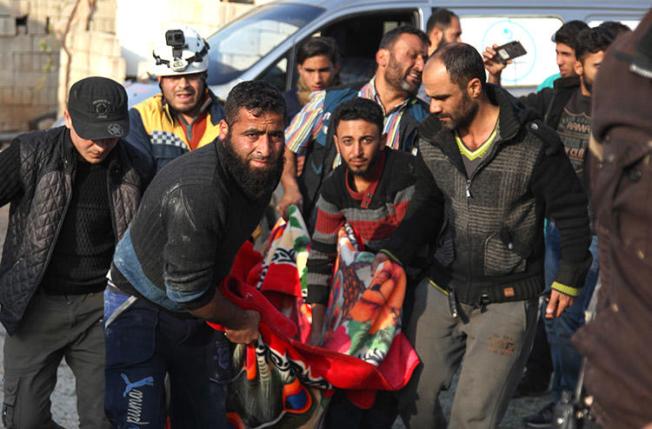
491	347
55	327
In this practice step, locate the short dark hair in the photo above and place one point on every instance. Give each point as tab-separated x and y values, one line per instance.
256	96
392	36
441	18
614	28
318	46
463	63
567	33
592	40
359	108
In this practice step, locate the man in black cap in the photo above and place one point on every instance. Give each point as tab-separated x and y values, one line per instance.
73	190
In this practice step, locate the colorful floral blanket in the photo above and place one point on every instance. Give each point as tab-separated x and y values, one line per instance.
281	381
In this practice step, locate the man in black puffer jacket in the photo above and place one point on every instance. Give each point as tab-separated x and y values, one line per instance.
486	177
73	190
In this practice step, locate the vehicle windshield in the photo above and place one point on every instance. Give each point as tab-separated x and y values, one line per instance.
238	46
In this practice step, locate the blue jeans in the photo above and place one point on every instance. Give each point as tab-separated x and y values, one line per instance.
143	344
566	360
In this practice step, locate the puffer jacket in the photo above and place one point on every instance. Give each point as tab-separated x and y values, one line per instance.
489	226
38	208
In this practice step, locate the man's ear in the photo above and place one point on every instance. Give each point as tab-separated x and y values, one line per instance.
337	143
224	129
579	69
383	141
435	37
474	88
382	57
67	120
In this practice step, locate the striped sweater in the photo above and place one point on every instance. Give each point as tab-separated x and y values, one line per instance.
374	215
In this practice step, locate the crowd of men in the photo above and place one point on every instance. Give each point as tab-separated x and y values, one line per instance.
492	204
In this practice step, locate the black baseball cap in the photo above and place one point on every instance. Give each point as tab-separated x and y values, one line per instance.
98	108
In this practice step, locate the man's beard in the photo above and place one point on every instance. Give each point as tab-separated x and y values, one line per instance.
397	77
369	171
467	112
254	182
588	85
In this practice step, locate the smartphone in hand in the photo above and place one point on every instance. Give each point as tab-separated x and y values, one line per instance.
509	51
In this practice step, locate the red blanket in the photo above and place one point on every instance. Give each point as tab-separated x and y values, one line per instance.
280	375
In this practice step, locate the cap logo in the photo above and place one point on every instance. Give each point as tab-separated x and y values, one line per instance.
101	107
115	130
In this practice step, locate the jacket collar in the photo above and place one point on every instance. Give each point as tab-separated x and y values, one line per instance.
116	160
513	115
567	82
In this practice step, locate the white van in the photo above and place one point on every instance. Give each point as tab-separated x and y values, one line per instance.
262	43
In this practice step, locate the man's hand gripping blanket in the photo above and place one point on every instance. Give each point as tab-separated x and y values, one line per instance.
281	380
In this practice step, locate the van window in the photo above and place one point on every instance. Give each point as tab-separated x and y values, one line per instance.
238	46
533	32
276	74
358	38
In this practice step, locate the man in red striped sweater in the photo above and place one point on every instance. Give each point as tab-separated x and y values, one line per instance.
371	191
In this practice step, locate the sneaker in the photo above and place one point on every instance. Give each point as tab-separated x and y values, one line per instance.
542	419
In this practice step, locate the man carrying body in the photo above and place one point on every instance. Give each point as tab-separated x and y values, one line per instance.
194	218
400	60
573	124
370	191
487	174
186	114
318	65
73	190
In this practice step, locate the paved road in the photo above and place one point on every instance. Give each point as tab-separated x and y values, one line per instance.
64	399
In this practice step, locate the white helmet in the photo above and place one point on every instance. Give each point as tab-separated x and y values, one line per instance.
185	52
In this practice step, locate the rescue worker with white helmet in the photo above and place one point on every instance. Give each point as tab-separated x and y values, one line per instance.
144	341
186	114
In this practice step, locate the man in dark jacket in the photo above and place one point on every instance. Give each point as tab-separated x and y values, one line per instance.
194	217
73	190
617	343
486	177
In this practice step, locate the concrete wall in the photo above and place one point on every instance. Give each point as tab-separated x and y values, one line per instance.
58	42
29	62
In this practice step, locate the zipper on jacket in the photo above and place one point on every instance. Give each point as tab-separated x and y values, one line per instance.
109	174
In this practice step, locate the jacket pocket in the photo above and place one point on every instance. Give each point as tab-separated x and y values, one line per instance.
9	405
500	258
631	209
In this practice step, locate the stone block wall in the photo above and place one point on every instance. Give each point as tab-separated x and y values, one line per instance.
47	45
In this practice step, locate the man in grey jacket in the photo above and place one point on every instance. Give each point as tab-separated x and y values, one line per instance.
487	176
